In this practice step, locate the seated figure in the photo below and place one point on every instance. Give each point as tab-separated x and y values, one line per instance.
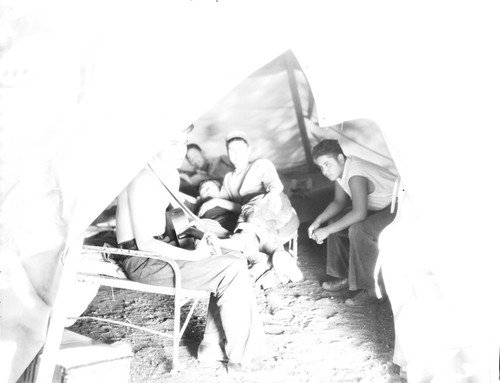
234	332
204	169
256	192
352	222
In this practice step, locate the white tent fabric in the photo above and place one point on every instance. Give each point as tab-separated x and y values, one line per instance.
262	105
259	104
90	91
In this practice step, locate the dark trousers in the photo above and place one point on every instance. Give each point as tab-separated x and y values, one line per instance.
352	253
233	317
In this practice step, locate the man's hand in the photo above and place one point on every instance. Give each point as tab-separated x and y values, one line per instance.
319	235
214	242
312	227
208	246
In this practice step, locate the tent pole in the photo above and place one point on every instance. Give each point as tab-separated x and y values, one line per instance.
298	109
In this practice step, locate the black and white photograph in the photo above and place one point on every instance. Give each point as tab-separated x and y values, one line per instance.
217	191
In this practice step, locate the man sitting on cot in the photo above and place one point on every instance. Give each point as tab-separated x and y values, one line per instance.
234	332
222	221
255	190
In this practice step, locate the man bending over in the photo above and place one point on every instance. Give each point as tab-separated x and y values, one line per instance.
360	210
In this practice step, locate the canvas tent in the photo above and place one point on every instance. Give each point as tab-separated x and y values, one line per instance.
89	92
263	102
276	102
275	107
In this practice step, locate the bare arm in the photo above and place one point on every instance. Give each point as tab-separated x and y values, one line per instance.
146	202
335	207
359	188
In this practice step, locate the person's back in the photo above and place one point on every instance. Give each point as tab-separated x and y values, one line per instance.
154	206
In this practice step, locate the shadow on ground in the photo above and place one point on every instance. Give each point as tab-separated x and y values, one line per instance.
311	335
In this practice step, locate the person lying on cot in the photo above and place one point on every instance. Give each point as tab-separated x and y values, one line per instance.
204	169
224	215
255	189
234	332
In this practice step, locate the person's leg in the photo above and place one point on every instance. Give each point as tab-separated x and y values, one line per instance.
227	278
266	225
363	251
212	347
283	262
337	258
247	245
245	241
257	216
337	255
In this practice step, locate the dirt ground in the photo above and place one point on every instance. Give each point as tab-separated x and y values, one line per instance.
311	335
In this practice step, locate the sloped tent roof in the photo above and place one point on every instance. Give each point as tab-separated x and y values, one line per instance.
429	88
263	106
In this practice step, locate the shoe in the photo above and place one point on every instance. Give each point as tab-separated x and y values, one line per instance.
274	302
286	265
364	298
335	285
244	369
208	353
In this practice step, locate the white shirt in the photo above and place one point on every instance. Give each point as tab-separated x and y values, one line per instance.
257	178
382	180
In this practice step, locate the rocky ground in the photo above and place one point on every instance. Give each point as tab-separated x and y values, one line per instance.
312	336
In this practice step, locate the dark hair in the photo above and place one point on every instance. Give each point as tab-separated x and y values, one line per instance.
213	180
327	147
193	146
234	139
